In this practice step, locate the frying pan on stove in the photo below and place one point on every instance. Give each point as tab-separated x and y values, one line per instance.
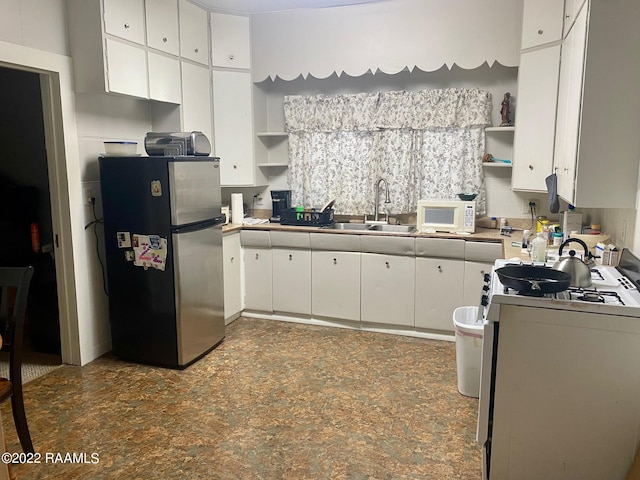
533	280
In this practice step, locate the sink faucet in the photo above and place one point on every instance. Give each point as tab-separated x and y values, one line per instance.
386	200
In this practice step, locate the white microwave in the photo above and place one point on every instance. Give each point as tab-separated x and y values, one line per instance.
446	216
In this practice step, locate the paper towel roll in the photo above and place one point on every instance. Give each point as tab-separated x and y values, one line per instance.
237	210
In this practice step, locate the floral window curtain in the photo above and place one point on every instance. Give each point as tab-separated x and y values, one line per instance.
426	144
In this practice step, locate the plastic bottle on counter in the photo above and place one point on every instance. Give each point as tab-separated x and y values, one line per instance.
557	239
526	239
494	222
503	223
539	248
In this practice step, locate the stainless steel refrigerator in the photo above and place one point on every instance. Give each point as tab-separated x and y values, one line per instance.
163	242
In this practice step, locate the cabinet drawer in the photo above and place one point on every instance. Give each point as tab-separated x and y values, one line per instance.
333	241
439	247
483	251
290	239
404	246
255	238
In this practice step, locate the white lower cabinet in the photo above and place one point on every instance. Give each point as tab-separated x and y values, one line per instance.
335	284
438	292
232	270
258	274
292	280
387	289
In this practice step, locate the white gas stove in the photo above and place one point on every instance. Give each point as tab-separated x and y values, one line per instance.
612	292
559	378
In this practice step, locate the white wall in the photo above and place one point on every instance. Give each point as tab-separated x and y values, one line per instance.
501	200
38	24
102	117
387	36
35	38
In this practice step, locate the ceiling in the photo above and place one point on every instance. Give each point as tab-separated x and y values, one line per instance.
250	7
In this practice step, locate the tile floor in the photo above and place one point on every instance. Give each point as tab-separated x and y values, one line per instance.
275	400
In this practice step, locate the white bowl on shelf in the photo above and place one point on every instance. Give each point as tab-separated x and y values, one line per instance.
120	148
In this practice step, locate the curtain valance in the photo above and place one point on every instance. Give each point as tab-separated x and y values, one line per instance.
425	109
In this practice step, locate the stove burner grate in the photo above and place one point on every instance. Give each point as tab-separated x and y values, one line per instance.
594	295
597	274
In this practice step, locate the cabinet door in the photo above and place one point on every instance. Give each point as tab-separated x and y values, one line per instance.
335	284
194	36
569	106
292	281
387	289
125	19
233	134
162	25
196	99
258	279
230	41
232	269
126	69
541	22
438	292
571	10
474	273
164	78
537	100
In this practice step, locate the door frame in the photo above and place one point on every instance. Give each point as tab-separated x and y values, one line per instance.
58	105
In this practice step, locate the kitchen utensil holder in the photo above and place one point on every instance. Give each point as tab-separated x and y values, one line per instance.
311	218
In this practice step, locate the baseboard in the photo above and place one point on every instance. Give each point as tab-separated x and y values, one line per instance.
352	325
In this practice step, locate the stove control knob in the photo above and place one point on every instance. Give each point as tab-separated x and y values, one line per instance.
485	288
487	277
485	300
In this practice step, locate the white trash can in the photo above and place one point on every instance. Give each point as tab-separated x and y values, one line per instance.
469	335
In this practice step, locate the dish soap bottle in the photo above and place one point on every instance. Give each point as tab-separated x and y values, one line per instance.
539	248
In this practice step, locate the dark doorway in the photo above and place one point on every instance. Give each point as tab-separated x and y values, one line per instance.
25	204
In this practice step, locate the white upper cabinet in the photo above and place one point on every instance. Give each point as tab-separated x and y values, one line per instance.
196	99
535	118
127	69
230	44
194	35
542	22
597	148
162	25
125	19
164	78
233	127
571	10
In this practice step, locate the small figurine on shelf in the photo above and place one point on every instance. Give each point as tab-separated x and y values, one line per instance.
505	111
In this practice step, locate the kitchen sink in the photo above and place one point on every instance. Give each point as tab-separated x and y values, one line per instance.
348	226
393	228
372	228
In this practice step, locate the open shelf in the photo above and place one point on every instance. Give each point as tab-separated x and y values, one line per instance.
272	134
500	129
278	164
497	165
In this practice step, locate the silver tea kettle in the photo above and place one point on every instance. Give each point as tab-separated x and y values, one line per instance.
580	271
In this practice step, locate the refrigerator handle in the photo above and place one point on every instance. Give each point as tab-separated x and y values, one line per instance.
192	227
